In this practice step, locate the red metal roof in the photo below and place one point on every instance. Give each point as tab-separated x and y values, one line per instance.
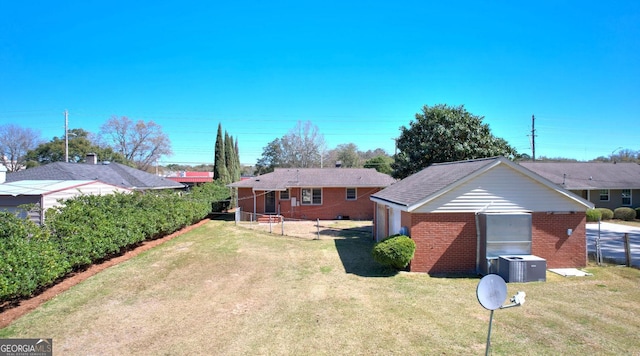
191	179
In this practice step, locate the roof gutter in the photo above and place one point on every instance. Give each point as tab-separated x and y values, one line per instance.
402	207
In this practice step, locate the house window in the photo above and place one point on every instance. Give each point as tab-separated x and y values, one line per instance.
604	195
626	197
311	196
284	195
351	194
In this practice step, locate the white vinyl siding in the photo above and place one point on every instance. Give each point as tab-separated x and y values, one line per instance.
501	189
52	199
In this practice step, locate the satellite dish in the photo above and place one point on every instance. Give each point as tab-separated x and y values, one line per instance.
491	291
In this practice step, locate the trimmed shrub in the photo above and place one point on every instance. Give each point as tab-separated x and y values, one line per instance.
607	214
90	228
395	251
594	215
29	258
624	213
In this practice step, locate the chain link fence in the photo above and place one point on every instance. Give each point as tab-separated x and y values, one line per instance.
614	244
306	229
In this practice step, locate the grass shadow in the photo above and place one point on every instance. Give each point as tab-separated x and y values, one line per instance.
222	216
355	254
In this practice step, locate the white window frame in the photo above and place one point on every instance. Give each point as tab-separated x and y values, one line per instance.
604	192
288	194
355	194
303	197
626	196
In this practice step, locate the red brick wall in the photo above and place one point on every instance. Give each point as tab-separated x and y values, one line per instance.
245	200
334	204
446	242
551	242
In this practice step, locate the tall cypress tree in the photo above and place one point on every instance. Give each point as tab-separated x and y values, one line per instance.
238	159
229	156
219	165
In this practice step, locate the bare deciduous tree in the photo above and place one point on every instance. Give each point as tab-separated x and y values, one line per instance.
141	143
301	148
15	142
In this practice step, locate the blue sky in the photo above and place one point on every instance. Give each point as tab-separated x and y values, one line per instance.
358	70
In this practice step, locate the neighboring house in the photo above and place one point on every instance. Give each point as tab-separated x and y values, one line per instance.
110	173
607	185
44	194
442	208
191	178
312	193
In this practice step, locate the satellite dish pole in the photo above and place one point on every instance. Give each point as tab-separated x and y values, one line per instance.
491	293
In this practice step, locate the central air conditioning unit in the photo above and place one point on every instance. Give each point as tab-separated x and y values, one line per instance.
522	268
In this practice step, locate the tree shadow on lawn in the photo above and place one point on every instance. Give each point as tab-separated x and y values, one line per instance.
355	254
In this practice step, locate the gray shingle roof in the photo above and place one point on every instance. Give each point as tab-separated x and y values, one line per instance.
283	178
113	173
588	175
419	186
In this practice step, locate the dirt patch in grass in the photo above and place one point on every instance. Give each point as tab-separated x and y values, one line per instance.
315	230
10	312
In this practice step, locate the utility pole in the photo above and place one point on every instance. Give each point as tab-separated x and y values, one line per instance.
533	137
66	135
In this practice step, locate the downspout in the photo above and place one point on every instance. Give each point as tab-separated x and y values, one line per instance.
477	216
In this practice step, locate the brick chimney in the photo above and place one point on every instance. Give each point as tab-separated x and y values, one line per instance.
92	158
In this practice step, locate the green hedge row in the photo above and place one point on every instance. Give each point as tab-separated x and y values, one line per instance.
90	228
622	213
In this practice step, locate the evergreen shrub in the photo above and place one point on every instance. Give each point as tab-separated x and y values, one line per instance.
594	215
607	214
624	213
395	251
90	228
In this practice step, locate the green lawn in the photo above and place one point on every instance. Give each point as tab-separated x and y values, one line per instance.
224	290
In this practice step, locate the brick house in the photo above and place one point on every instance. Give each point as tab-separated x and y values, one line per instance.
606	184
439	208
312	193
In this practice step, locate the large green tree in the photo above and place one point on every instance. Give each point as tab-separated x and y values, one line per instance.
444	133
381	164
79	145
347	155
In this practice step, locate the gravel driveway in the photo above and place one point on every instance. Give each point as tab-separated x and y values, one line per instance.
612	241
